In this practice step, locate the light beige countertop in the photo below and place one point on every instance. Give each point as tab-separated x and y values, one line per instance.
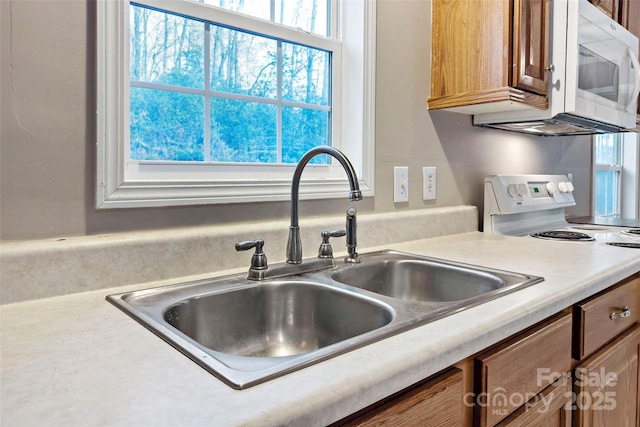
77	360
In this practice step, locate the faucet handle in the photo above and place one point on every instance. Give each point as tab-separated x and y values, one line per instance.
258	259
325	250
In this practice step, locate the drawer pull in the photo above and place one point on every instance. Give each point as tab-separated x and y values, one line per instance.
626	312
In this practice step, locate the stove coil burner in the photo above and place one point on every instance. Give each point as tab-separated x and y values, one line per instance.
633	232
625	245
564	235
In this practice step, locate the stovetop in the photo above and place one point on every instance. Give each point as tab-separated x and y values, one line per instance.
534	206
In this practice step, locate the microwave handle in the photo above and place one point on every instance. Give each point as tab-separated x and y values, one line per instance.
636	84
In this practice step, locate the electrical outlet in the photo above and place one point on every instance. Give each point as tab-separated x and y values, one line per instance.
400	184
429	183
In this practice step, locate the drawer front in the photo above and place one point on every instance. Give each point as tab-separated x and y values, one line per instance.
601	318
510	374
436	403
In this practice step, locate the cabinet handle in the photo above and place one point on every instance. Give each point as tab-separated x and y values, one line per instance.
551	68
626	312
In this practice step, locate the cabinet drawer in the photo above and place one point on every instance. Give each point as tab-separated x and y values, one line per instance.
521	367
434	403
597	320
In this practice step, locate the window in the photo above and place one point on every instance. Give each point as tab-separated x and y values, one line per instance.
616	182
607	174
215	102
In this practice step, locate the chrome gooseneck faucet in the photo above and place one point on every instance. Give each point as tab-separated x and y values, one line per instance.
294	244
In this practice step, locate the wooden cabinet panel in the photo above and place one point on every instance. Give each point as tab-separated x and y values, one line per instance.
531	45
512	369
630	16
468	46
551	408
606	385
609	7
592	317
435	403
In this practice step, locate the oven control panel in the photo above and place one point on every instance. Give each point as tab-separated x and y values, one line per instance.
505	194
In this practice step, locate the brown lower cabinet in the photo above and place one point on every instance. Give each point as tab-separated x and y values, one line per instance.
433	403
605	388
579	367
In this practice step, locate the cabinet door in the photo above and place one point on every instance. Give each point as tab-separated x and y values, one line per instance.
606	385
550	408
522	366
531	45
435	403
469	47
630	16
609	7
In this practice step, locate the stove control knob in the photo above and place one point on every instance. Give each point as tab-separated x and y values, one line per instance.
563	187
522	189
552	187
570	186
513	190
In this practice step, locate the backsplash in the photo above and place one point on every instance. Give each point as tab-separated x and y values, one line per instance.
48	268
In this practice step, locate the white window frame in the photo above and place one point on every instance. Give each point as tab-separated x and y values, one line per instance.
125	184
630	193
629	168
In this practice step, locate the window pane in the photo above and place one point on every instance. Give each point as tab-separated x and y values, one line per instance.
302	130
607	193
166	48
309	15
305	74
166	125
607	149
243	131
256	8
242	63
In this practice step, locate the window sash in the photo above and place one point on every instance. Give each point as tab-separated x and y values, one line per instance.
122	183
204	93
612	174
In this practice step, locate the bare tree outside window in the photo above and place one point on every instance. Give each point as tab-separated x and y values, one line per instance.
202	92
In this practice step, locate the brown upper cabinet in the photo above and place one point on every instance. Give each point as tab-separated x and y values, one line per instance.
625	12
611	8
488	55
630	16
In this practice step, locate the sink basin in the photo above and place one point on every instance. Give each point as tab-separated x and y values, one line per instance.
420	280
247	332
279	319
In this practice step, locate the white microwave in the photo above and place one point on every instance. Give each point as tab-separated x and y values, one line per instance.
595	77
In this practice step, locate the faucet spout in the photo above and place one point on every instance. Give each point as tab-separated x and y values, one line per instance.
294	244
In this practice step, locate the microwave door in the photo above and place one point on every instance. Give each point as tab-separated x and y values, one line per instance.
632	102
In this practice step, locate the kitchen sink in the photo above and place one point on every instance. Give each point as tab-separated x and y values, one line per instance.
422	280
246	332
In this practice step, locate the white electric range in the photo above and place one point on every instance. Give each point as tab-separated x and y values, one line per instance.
534	206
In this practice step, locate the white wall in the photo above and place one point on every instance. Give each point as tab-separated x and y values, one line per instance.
47	168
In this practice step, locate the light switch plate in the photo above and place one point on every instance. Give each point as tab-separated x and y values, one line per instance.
429	183
400	184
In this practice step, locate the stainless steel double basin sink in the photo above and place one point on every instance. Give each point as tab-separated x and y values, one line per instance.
247	332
